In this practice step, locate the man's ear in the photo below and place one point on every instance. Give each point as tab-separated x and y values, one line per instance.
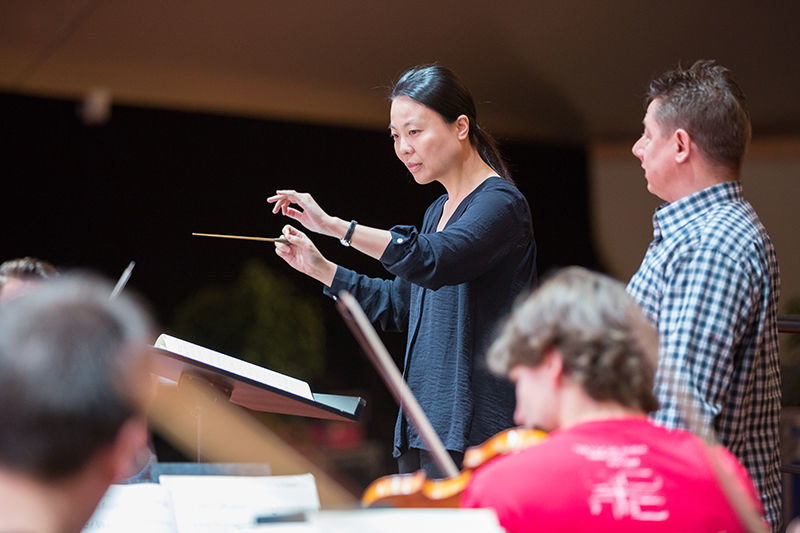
130	452
683	145
554	365
462	127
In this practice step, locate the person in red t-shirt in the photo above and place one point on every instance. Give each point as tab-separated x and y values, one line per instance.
582	357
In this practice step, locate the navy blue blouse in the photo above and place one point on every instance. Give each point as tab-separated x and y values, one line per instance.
451	289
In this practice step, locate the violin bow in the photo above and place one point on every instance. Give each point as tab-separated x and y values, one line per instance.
123	280
362	329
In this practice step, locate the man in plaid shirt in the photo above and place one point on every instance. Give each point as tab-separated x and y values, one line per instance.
709	280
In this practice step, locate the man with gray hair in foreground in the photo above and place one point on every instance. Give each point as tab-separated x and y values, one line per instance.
582	357
70	359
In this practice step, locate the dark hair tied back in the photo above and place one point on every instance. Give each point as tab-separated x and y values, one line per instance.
438	88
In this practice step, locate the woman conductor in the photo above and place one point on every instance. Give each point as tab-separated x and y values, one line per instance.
454	278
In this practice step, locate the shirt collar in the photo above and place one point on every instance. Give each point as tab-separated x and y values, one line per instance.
671	217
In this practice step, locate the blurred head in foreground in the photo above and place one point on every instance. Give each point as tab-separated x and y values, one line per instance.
70	363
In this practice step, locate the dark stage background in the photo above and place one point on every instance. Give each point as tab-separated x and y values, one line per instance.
136	187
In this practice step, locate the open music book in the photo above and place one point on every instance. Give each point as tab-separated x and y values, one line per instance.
249	385
202	504
234	366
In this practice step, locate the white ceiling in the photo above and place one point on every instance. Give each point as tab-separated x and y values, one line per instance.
571	70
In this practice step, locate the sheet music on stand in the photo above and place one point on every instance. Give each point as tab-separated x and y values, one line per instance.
203	504
249	385
213	505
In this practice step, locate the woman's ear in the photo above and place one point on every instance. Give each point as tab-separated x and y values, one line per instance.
462	127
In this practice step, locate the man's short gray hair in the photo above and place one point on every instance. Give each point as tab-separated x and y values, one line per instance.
66	354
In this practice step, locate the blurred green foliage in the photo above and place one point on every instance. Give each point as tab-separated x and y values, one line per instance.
260	319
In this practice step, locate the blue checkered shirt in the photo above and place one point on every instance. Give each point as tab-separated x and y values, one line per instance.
710	283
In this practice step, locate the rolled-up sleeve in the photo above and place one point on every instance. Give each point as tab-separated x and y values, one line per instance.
492	223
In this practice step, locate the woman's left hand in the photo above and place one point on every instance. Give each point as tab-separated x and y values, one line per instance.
302	255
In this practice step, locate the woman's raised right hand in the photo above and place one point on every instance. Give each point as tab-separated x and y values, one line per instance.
310	214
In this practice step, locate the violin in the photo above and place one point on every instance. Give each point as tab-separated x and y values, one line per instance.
416	490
